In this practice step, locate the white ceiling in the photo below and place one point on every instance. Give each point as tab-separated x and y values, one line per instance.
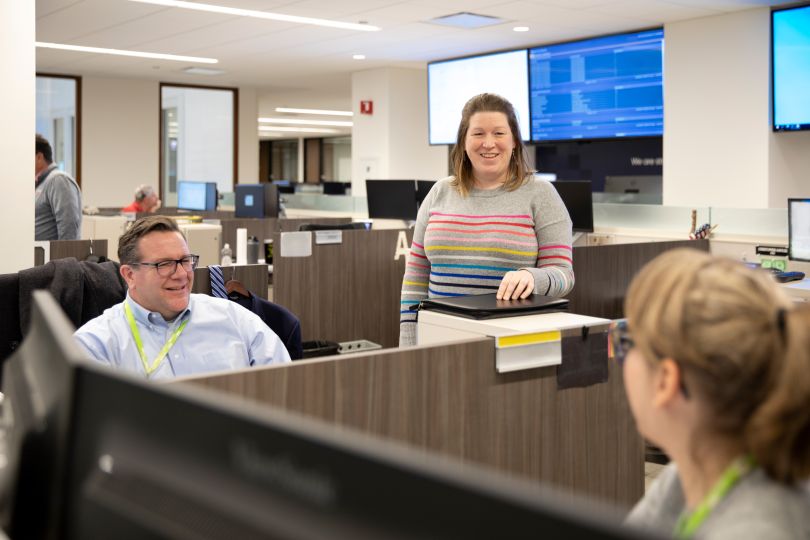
284	57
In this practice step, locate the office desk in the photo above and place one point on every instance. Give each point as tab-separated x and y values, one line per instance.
799	291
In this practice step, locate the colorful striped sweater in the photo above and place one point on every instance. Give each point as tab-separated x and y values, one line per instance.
464	245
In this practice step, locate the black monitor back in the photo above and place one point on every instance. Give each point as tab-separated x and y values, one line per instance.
332	226
256	201
334	188
578	199
423	187
37	416
391	199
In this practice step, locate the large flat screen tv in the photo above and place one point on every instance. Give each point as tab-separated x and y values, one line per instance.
452	82
599	88
790	47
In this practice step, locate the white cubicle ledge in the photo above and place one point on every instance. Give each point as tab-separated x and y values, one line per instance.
799	291
525	342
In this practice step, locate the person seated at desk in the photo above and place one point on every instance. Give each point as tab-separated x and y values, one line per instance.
717	372
161	330
490	228
146	201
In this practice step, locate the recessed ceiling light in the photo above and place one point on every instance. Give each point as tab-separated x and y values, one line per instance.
121	52
521	29
467	20
359	56
324	112
298	129
211	8
203	71
299	122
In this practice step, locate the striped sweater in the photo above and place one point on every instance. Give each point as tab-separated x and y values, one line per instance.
464	245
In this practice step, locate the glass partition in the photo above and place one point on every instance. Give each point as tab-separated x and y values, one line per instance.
197	138
57	119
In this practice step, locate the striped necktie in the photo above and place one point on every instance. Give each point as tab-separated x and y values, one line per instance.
217	281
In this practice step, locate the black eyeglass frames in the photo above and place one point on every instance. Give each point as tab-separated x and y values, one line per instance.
168	268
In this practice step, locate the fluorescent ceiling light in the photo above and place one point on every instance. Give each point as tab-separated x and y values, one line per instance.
521	29
324	112
299	122
120	52
298	129
260	14
203	71
358	57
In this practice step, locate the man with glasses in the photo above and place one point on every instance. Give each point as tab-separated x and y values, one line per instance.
161	330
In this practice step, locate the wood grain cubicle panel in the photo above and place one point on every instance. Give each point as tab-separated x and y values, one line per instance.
344	291
252	276
603	274
449	399
79	249
292	224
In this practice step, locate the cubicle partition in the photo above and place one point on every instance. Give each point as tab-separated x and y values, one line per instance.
263	228
345	291
449	399
62	249
603	274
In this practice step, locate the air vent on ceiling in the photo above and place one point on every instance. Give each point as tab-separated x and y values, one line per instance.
467	20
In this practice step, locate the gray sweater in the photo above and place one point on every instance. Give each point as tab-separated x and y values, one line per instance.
757	508
464	245
57	207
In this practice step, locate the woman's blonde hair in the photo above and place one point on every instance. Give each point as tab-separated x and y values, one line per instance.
519	170
743	348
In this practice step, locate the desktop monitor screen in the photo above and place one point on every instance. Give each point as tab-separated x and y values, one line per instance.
196	195
598	88
391	199
578	199
799	229
790	50
451	83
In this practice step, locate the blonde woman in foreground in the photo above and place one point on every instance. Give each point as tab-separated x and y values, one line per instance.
717	373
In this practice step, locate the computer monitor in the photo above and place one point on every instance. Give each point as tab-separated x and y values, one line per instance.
423	187
256	201
196	195
119	457
799	230
391	199
38	384
334	188
578	199
285	186
357	226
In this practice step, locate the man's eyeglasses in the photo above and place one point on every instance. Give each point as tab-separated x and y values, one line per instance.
619	340
168	268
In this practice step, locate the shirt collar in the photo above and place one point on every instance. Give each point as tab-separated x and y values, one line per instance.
146	317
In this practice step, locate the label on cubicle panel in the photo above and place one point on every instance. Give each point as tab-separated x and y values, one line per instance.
329	237
528	351
295	244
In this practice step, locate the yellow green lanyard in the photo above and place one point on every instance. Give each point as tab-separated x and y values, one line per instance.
138	343
689	523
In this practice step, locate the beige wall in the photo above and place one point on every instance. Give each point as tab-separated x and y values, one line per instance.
17	112
248	151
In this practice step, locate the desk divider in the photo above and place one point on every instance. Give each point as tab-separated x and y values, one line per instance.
449	399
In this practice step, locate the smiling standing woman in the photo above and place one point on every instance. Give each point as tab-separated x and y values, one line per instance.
491	227
717	371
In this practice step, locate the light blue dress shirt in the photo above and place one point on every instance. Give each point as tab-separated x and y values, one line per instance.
220	335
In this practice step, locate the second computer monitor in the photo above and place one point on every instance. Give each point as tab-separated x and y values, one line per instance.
391	199
578	199
196	195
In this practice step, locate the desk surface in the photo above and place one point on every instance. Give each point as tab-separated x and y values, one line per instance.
798	290
506	326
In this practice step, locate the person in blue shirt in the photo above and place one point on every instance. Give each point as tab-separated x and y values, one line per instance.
161	330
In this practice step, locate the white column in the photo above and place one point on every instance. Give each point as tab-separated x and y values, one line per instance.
392	142
17	109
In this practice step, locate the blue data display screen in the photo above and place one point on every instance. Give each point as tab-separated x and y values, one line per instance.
791	69
598	88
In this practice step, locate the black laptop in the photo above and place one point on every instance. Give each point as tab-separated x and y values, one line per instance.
486	306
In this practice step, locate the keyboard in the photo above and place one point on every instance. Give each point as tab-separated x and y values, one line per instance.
784	277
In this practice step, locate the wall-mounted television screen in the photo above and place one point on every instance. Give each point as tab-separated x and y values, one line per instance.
598	88
196	195
790	47
451	83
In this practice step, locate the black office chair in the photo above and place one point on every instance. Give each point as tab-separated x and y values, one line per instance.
332	227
